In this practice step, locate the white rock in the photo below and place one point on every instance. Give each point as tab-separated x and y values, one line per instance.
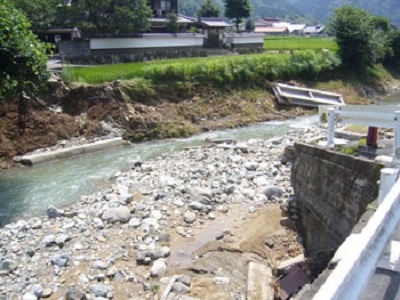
156	214
118	214
221	280
134	222
159	268
97	223
189	217
83	279
29	296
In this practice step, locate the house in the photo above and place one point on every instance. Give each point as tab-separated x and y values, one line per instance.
296	29
313	30
266	21
161	8
276	26
55	35
270	30
213	29
161	43
159	24
280	24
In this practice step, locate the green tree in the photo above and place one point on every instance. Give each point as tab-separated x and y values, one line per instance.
237	9
22	56
250	25
208	9
188	7
381	23
172	23
132	17
40	13
117	16
393	43
360	43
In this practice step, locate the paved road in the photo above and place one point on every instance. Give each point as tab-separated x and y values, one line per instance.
384	284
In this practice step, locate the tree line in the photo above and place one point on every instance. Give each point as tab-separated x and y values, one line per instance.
114	16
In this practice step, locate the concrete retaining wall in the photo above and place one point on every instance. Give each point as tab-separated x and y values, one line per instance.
71	151
332	192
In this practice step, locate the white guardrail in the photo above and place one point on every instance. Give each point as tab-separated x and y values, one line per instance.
357	258
383	116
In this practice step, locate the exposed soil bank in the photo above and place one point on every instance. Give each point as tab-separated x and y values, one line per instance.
137	113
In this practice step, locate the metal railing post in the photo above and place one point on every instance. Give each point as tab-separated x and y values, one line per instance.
396	143
387	180
331	127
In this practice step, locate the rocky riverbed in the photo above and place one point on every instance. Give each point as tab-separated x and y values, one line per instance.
181	226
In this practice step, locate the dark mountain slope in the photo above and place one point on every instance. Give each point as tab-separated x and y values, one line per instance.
307	11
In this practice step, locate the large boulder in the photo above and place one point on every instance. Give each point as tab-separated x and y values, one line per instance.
270	191
117	214
159	268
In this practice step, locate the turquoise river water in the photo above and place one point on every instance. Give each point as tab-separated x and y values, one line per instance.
28	191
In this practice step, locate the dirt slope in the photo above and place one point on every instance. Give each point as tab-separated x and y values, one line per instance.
90	111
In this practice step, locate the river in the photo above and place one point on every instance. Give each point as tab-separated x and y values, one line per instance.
28	191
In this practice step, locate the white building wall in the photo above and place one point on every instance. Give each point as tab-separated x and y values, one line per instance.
248	40
127	43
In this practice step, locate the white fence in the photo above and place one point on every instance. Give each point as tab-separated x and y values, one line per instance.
371	115
245	38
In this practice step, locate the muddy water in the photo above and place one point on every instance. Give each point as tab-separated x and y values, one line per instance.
28	191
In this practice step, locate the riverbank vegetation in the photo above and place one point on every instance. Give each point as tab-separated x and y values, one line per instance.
218	71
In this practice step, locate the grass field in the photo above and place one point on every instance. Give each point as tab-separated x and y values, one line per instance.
107	73
299	43
104	73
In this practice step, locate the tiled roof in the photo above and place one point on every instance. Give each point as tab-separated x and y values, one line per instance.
214	22
165	20
268	29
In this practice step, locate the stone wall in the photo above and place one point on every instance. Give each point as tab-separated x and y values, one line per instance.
74	48
332	192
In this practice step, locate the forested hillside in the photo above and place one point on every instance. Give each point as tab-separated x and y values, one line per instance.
308	11
321	9
261	8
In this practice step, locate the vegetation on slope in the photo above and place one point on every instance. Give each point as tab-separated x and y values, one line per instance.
231	70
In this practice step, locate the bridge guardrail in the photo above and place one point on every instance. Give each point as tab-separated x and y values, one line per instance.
357	258
371	115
